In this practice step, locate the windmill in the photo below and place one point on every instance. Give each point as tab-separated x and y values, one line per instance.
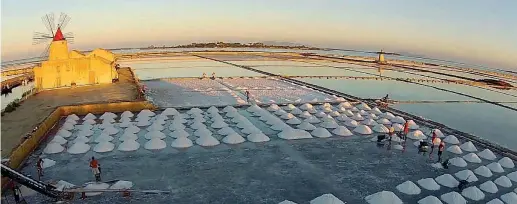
54	32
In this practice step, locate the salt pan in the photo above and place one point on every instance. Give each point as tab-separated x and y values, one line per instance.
503	181
326	199
104	147
451	139
489	187
429	184
487	154
258	137
53	148
468	146
207	141
342	131
483	171
471	157
78	148
182	142
383	197
321	132
128	145
447	180
473	193
363	129
430	200
507	163
495	167
409	188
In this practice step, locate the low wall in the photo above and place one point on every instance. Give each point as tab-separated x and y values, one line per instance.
22	152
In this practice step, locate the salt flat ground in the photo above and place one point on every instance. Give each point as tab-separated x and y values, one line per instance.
297	170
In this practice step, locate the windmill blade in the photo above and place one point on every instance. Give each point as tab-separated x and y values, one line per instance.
45	52
68	35
39	38
48	21
63	20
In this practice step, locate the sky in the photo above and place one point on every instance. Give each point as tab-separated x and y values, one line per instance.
472	31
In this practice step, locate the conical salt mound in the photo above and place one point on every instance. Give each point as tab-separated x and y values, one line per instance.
384	121
320	114
110	130
305	114
398	119
194	111
487	154
132	129
397	127
306	106
357	117
155	127
345	105
128	136
409	188
258	137
81	139
326	199
128	145
503	181
369	121
351	123
451	139
471	157
72	117
143	123
293	121
458	161
489	187
280	126
64	133
58	139
380	128
430	200
104	147
363	113
335	114
207	141
483	171
89	116
455	149
146	112
272	107
412	125
495	201
88	121
289	107
363	130
364	106
197	125
182	142
108	115
213	110
327	110
321	132
53	148
225	131
306	126
417	135
468	146
495	167
447	180
453	198
383	197
142	118
376	110
233	138
466	175
507	163
251	130
73	122
125	123
155	143
293	134
154	134
509	198
312	120
329	123
473	193
429	184
126	114
179	133
68	126
342	131
78	148
176	126
287	202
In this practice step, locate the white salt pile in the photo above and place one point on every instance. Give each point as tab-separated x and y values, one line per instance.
287	202
363	113
388	115
104	147
321	133
155	143
142	118
53	148
430	200
103	138
326	199
376	110
483	171
506	163
489	187
512	176
58	139
348	113
154	134
142	123
451	139
108	115
251	130
258	137
125	123
89	116
89	121
509	198
78	148
364	106
207	141
293	121
487	154
306	106
312	120
471	157
380	128
503	181
72	117
473	193
280	126
289	107
320	114
468	146
155	127
126	114
213	110
417	135
372	116
398	119
194	111
368	122
293	134
495	167
179	133
68	126
197	125
202	132
95	186
447	180
453	198
280	112
146	112
176	126
73	122
455	149
272	107
412	125
132	129
81	139
233	138
335	114
363	130
466	175
398	147
383	197
357	117
458	161
218	124
128	145
342	131
329	123
64	133
110	130
345	105
408	187
428	184
48	163
128	136
306	126
122	185
225	131
305	114
384	121
495	201
182	142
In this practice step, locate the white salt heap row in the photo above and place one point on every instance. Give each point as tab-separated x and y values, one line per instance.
455	149
383	197
468	146
489	187
453	198
293	134
326	199
451	139
409	188
483	171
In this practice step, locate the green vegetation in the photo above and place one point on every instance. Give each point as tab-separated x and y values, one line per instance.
11	106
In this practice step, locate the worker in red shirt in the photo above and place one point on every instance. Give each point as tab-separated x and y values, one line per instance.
406	130
94	164
433	140
39	166
441	147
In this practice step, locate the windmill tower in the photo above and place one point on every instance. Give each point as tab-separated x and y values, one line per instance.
380	58
58	46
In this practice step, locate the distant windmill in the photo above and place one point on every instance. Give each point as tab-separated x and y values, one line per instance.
53	32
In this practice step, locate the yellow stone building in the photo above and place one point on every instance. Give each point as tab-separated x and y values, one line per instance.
66	69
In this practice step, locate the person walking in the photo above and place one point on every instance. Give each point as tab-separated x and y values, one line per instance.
406	130
247	96
94	164
39	166
433	140
441	147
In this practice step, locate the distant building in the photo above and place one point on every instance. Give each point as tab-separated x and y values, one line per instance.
65	69
381	59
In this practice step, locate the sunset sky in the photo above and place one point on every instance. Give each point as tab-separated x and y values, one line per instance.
473	31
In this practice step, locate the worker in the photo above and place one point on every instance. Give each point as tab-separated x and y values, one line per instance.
213	75
16	192
441	147
204	75
406	130
433	140
386	98
39	166
463	184
247	96
94	164
445	164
